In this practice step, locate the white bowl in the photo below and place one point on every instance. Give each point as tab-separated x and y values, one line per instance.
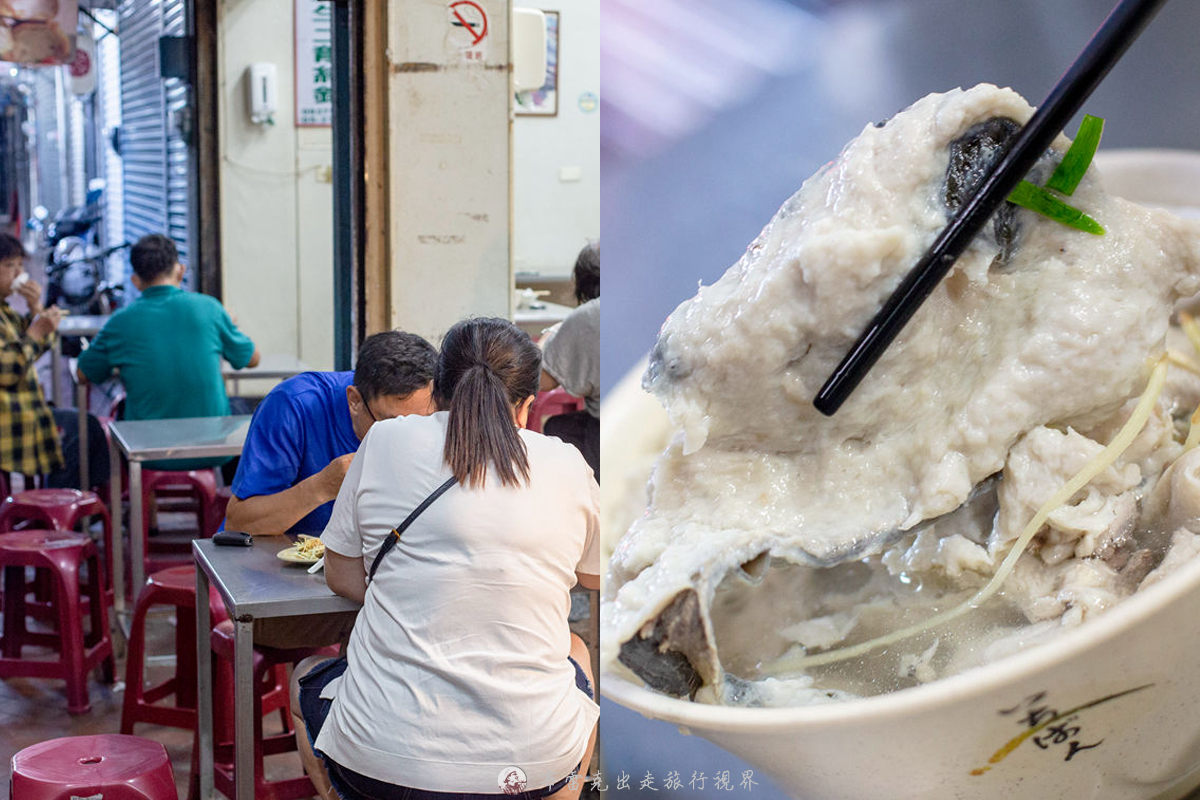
961	737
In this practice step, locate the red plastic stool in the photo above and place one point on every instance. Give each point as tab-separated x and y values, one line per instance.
60	509
550	404
108	765
176	587
61	554
200	484
271	692
220	507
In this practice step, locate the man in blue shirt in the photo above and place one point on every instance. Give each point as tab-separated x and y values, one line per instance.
307	429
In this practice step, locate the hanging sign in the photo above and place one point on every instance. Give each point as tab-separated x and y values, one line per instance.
82	69
38	32
314	63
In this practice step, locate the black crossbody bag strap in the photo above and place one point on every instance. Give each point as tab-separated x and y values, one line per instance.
390	541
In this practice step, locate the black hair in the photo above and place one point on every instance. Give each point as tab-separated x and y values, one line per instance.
587	273
153	256
393	363
487	366
10	246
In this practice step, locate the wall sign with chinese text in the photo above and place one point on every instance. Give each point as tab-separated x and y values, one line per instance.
314	63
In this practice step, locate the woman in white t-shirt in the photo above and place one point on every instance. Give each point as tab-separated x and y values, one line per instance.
461	676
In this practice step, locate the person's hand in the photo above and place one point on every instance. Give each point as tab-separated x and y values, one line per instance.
32	293
334	473
46	322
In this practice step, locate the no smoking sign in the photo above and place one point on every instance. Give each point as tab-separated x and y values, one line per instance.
469	29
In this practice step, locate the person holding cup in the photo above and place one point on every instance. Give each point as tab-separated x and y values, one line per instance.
30	445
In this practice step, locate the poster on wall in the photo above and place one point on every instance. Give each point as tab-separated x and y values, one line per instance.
38	32
543	102
314	63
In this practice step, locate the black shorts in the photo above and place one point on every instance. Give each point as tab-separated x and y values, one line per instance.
352	785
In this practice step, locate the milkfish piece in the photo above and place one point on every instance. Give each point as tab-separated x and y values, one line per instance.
1036	324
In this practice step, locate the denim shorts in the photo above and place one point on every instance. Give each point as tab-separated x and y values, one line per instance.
352	785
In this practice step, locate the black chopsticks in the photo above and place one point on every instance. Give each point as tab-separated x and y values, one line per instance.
1107	45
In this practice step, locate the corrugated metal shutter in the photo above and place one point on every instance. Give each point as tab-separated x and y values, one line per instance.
154	154
108	106
179	183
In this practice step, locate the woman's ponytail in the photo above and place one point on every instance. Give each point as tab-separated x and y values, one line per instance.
486	367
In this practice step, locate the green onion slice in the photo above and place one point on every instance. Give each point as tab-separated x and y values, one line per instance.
1075	163
1036	198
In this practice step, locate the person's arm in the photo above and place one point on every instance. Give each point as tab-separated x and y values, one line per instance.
274	514
345	570
17	354
346	575
94	364
571	359
587	571
236	347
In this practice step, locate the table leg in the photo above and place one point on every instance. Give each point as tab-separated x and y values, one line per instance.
81	401
55	368
137	529
243	702
118	540
204	688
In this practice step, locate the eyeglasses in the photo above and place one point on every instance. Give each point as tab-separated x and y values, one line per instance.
371	413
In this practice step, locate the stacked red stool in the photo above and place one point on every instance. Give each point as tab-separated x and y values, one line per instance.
270	693
199	484
174	586
109	765
60	509
61	554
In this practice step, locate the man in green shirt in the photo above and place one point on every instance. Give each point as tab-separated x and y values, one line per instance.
167	346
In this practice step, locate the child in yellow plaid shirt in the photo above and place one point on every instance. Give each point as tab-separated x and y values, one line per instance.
28	436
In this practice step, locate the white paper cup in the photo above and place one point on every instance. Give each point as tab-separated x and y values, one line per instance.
961	737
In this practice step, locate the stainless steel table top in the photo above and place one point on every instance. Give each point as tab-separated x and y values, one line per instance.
254	583
189	437
82	325
271	366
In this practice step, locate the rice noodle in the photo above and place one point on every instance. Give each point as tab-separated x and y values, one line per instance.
1120	443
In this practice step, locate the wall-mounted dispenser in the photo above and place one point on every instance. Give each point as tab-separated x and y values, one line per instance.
261	92
528	49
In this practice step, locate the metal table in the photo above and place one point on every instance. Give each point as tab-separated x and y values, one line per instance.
279	367
71	328
81	406
154	440
539	316
254	585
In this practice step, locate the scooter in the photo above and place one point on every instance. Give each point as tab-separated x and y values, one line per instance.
76	268
77	278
